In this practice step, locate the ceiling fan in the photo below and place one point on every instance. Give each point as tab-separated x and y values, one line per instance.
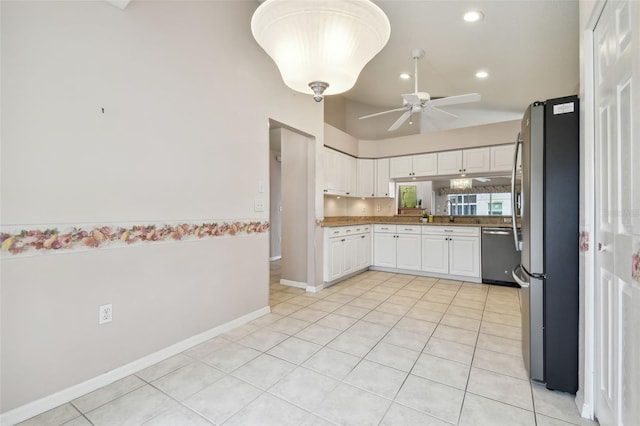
421	101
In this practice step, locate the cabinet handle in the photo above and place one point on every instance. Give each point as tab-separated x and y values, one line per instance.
342	240
448	230
362	236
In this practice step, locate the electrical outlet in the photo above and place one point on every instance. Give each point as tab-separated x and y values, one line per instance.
105	313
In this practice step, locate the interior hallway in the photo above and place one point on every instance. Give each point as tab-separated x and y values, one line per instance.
376	349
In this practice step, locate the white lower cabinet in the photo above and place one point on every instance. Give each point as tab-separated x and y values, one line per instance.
451	250
347	249
397	246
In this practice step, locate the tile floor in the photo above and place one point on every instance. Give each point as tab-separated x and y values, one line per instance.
377	349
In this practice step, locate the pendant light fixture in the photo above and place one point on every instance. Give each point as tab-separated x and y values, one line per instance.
320	46
461	183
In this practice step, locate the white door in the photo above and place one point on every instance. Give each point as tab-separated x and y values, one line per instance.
435	254
617	203
464	256
408	253
384	250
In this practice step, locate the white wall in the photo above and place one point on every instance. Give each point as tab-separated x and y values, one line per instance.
187	96
275	202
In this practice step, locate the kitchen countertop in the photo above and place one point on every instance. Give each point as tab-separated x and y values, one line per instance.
481	221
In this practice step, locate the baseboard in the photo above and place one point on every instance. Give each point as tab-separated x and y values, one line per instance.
585	410
271	259
297	284
312	289
428	274
39	406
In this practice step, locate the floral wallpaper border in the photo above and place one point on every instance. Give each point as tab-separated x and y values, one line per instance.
635	265
92	237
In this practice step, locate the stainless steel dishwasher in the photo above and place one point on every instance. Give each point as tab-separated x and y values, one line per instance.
499	256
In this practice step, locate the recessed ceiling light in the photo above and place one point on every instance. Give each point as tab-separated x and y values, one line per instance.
482	74
473	16
405	76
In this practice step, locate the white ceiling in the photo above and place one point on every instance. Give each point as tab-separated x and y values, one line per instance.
530	49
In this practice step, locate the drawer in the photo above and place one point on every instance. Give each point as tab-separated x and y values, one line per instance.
471	231
409	229
385	229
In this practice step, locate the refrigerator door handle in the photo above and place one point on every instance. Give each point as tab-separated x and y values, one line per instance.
518	278
514	203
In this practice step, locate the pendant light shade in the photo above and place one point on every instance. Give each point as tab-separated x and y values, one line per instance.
461	183
320	46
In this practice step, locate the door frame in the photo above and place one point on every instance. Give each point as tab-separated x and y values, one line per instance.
585	397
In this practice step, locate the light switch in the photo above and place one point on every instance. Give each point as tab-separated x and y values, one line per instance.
258	205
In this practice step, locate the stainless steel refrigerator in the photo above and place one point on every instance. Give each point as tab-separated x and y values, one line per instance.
548	270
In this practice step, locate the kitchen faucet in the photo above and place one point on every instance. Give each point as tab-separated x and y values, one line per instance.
449	205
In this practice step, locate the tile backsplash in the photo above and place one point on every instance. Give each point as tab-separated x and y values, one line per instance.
353	206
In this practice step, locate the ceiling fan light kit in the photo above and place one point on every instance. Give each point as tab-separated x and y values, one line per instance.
421	102
321	45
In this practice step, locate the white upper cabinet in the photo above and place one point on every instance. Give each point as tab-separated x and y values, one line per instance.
502	158
450	163
350	174
366	178
476	160
400	167
383	187
425	164
413	166
340	173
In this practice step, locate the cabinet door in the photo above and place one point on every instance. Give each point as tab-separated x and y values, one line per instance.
383	189
408	252
425	164
464	256
400	167
476	160
363	251
336	258
384	250
435	254
365	181
350	255
350	171
329	166
450	163
502	158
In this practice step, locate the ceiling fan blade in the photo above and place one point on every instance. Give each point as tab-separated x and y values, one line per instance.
400	120
441	111
459	99
383	112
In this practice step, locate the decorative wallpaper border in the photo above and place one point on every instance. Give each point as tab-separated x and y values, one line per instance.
93	237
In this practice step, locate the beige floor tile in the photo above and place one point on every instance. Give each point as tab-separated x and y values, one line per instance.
318	334
414	340
352	344
133	408
438	298
425	314
308	314
399	415
263	340
325	305
501	388
264	371
467	303
382	318
266	319
231	357
348	405
339	322
268	410
106	394
177	416
460	322
479	411
53	417
432	306
288	325
186	381
450	350
500	363
304	388
239	332
369	330
416	325
302	300
375	378
505	319
222	399
461	311
402	300
432	398
500	344
558	405
295	350
285	308
442	370
160	369
352	311
332	363
393	356
392	308
501	330
454	334
339	298
364	303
